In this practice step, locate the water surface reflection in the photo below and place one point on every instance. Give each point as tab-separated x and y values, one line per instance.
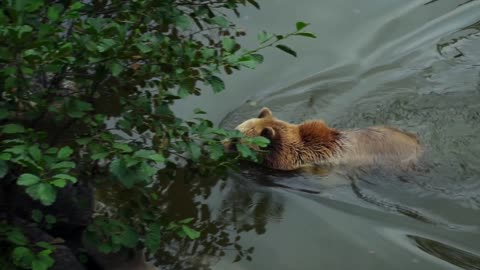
453	255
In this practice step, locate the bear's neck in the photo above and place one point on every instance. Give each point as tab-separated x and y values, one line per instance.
321	144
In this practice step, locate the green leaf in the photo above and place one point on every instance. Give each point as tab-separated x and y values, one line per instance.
60	183
301	25
54	11
106	44
27	179
76	6
99	155
23	29
35	152
13	129
116	68
153	237
123	147
43	261
306	34
251	60
143	48
264	37
219	131
149	154
22	256
30	52
191	233
186	220
157	157
183	90
195	151
16	237
5	156
261	141
254	3
244	150
208	53
257	57
77	108
3	168
64	152
65	177
287	50
183	22
198	111
220	21
131	161
43	192
146	171
37	215
217	84
52	151
33	5
45	245
128	176
228	44
216	151
17	149
50	219
129	238
104	248
84	141
63	165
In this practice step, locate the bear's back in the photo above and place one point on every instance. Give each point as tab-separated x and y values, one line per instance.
380	145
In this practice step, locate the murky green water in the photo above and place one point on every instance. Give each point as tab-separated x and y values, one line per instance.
410	64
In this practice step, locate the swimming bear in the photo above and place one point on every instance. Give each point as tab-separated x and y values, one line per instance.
311	143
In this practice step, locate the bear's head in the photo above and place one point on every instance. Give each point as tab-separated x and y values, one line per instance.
266	125
291	146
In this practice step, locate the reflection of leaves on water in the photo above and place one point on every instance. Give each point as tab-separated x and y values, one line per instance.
303	180
455	256
186	195
247	208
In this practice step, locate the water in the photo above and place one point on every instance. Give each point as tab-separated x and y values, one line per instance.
410	64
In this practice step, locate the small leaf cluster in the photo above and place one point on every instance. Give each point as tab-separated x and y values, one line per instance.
46	168
183	229
24	254
110	235
47	221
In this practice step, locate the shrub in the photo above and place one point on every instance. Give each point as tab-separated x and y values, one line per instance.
86	95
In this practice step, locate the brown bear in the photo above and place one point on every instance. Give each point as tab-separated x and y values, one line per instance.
313	143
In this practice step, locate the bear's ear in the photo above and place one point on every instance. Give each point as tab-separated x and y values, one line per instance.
268	132
264	112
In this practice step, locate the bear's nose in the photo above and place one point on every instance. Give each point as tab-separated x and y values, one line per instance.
239	127
243	126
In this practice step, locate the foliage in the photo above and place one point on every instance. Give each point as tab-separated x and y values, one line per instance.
24	254
61	61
